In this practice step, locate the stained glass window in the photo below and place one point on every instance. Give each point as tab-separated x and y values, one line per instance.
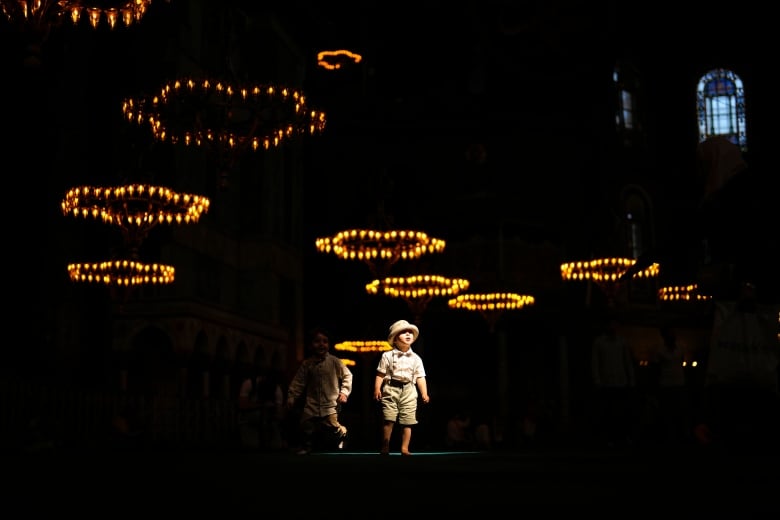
720	106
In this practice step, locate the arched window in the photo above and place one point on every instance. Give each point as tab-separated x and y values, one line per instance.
628	111
626	85
720	106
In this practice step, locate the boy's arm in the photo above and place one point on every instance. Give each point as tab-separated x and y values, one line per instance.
378	380
296	386
422	386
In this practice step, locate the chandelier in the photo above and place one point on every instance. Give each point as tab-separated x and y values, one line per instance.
604	270
361	348
491	305
608	273
39	15
122	273
135	209
334	60
207	112
379	249
682	293
418	290
228	118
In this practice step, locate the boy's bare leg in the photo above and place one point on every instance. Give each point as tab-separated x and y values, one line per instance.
406	437
387	431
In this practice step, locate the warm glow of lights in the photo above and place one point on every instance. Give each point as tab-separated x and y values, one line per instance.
42	13
681	293
209	112
121	273
491	305
363	347
333	60
135	206
491	302
348	362
373	246
604	270
418	286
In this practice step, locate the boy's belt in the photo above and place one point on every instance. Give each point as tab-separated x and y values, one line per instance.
398	383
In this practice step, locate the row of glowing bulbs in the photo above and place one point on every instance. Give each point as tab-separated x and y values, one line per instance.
129	12
145	206
136	206
139	205
369	244
150	111
121	273
604	269
427	286
418	286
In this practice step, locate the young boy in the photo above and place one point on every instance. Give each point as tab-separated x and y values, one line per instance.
399	376
324	383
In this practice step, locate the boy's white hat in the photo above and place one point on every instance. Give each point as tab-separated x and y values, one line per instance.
400	326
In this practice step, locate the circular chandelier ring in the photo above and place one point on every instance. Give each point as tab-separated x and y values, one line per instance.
418	286
489	302
363	347
134	205
370	244
605	269
161	112
335	59
121	273
682	293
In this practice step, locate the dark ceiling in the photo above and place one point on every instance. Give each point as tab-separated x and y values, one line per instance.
453	104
